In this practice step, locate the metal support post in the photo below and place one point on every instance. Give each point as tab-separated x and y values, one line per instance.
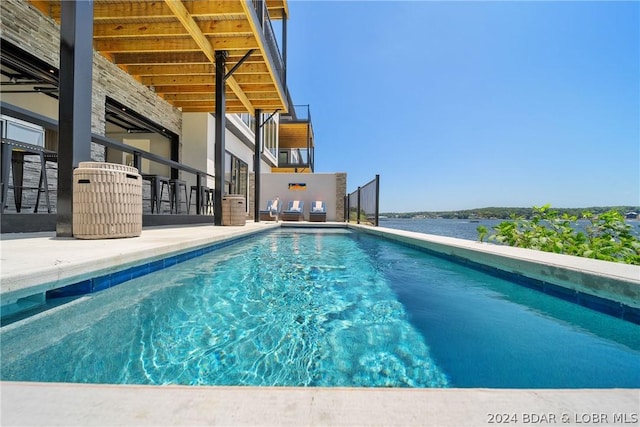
256	166
284	48
74	111
218	192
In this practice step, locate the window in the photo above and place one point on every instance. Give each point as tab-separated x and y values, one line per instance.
247	119
283	158
22	131
236	175
270	133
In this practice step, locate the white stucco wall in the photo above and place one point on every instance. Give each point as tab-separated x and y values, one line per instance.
198	133
36	102
319	186
198	145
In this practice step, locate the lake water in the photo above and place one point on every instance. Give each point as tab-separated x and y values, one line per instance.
462	228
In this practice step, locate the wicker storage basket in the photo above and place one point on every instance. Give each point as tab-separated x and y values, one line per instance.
107	201
233	210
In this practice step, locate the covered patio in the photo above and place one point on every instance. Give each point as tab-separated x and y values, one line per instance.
111	81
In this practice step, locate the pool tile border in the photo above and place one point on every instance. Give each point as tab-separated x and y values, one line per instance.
110	280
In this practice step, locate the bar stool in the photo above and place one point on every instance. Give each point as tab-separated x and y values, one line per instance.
176	200
206	198
208	201
158	183
14	152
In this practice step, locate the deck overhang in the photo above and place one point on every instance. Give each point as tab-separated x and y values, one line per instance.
169	46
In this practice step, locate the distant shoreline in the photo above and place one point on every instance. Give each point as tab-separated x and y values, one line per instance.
506	213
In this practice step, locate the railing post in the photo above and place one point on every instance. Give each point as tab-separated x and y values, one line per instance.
199	194
377	199
137	161
346	208
358	205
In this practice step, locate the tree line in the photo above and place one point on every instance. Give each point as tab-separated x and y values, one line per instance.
508	212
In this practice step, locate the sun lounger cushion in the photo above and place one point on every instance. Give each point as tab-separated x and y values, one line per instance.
317	206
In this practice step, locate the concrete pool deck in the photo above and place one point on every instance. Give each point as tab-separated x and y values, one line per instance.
34	262
92	405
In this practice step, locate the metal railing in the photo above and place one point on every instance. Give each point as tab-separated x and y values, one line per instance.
273	50
297	113
294	158
363	205
200	176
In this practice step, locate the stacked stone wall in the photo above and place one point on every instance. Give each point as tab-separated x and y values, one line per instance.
341	193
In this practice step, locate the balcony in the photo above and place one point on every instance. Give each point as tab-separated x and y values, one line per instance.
272	49
298	159
296	141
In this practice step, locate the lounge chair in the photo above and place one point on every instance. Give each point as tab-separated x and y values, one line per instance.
272	211
294	211
318	212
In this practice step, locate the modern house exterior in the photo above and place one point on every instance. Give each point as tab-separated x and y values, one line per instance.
135	83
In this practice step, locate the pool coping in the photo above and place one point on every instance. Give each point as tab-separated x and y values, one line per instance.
93	404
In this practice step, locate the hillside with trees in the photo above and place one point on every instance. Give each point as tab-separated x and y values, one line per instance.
507	212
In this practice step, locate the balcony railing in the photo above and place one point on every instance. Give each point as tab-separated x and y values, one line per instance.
273	50
297	113
295	158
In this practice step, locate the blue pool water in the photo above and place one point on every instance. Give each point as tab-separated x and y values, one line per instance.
330	308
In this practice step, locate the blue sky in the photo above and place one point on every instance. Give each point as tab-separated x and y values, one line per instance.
461	105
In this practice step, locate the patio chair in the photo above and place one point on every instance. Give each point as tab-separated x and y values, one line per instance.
272	211
318	212
294	211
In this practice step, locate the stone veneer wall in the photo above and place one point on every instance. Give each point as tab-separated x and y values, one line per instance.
24	26
252	191
341	193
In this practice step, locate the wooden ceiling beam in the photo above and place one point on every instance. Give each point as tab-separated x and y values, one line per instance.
259	88
253	79
160	58
230	103
168	44
196	96
154	29
209	109
171	69
267	96
144	10
209	46
183	69
178	80
184	89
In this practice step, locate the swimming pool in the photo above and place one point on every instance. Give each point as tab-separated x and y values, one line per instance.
331	308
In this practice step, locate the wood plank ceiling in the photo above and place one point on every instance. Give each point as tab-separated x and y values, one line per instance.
169	46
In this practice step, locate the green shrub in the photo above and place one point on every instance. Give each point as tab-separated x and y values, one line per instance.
608	236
